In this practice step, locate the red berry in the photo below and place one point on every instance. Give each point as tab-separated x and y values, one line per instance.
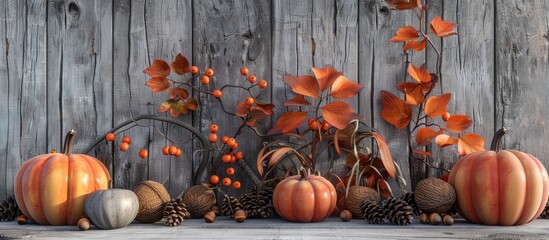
127	139
110	137
214	179
143	153
244	71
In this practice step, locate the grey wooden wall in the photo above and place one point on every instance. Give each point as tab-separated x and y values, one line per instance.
78	64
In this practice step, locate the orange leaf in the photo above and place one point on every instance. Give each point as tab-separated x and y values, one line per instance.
298	100
191	103
424	136
402	4
458	123
385	154
343	88
470	143
395	111
415	97
407	87
415	45
428	154
180	65
325	77
265	108
442	28
160	68
241	109
178	93
384	188
158	84
444	140
288	122
436	106
406	33
339	114
421	75
304	85
166	105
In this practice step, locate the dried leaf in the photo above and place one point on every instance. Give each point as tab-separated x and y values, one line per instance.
385	154
442	28
176	93
402	4
166	105
241	109
444	140
421	75
415	45
384	188
339	114
343	88
158	84
265	108
276	155
180	65
407	87
160	68
288	122
425	134
298	100
395	111
325	77
304	85
364	159
470	143
406	33
415	97
191	103
436	106
428	154
458	123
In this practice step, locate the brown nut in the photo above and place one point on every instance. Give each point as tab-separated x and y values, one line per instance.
240	216
209	217
345	215
84	224
22	219
424	218
448	220
435	218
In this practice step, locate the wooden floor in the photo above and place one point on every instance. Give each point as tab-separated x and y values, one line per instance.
331	228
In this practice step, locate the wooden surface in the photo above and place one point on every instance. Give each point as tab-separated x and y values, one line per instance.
331	228
79	64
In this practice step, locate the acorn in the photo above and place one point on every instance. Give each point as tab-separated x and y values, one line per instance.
240	215
424	218
22	219
435	218
448	220
84	224
209	217
345	215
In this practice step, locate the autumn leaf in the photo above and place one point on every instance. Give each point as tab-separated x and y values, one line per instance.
160	68
325	77
265	108
304	85
241	109
191	103
444	140
395	111
436	106
421	75
288	122
158	84
339	114
384	189
385	154
415	45
458	123
470	143
178	93
442	28
276	155
166	105
343	88
425	134
424	153
298	100
407	87
402	4
180	65
415	97
406	33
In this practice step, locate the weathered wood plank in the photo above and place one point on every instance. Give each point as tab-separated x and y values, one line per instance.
522	46
241	37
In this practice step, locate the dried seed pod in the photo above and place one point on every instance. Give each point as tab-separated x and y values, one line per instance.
84	224
448	220
209	217
435	219
434	195
424	218
240	216
345	215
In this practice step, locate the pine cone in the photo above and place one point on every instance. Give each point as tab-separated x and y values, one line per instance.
372	212
409	197
230	205
175	211
397	211
9	209
258	203
544	213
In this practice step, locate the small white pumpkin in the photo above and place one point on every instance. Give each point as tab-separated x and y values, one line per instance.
111	209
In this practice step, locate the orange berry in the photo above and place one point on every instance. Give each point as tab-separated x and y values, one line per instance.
110	137
205	80
214	128
224	139
194	70
124	146
234	146
236	185
262	84
209	72
227	181
313	125
172	150
217	93
214	179
143	153
233	158
166	150
178	153
230	171
226	158
249	101
127	139
244	71
325	126
445	116
231	142
252	79
239	155
213	137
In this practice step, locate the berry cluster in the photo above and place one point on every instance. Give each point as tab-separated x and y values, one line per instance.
229	157
143	153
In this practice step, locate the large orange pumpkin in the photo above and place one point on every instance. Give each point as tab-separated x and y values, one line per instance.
51	188
506	187
304	198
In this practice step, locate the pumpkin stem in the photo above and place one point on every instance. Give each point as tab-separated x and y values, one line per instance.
495	146
67	147
304	173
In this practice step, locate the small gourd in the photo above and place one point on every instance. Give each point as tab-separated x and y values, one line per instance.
111	209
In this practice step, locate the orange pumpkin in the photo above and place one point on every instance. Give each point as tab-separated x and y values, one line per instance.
304	198
51	188
506	187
